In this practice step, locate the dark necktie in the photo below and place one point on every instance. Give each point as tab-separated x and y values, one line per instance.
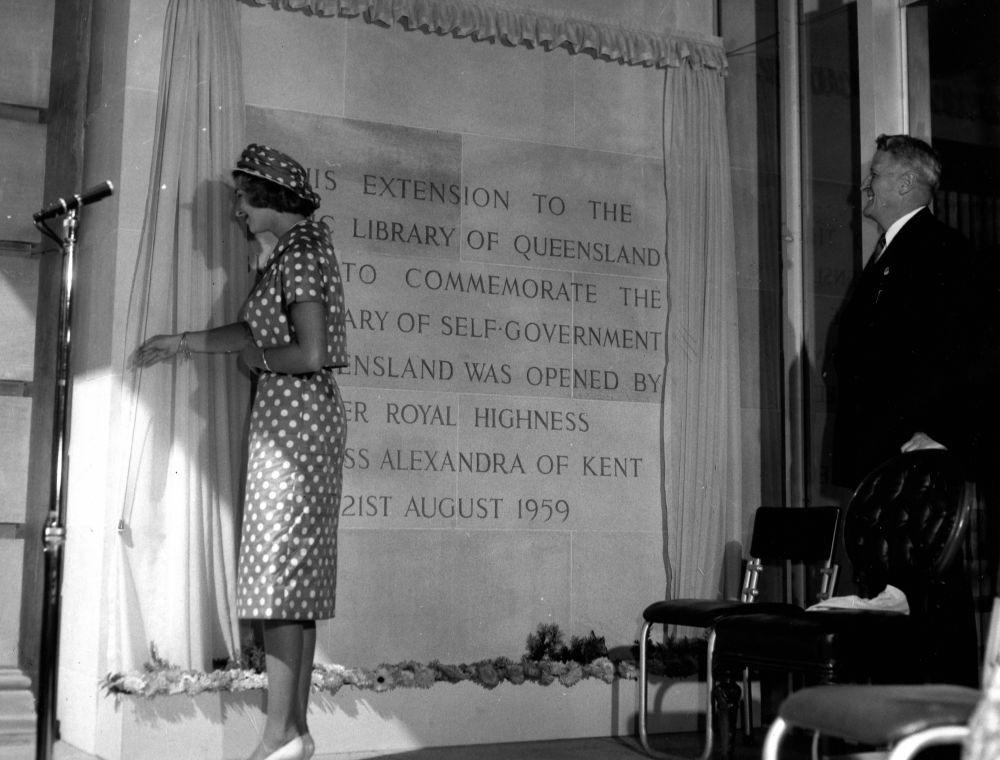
870	265
876	266
879	247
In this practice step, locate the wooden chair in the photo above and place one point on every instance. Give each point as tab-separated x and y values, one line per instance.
904	526
780	535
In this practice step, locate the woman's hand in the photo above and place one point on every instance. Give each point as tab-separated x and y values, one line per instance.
159	348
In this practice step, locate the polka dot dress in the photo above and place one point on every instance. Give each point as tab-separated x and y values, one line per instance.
288	550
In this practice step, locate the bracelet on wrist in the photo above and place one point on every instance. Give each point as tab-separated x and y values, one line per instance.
182	346
263	359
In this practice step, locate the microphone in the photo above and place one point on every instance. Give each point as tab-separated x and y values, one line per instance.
63	206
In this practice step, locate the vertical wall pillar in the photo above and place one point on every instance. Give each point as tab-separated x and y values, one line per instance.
794	337
882	89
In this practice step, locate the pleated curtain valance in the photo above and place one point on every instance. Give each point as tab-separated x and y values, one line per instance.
486	22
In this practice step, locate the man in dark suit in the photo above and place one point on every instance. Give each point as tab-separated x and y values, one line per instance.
902	349
903	359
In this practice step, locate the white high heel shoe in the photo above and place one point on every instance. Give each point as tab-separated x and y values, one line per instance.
293	750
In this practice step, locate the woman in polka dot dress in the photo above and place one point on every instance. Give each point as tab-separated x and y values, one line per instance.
292	332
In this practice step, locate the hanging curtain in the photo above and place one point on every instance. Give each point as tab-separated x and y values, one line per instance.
701	410
174	578
483	21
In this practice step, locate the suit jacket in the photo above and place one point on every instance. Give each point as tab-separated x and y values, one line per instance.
902	349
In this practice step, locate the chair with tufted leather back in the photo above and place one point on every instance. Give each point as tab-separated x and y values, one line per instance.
904	527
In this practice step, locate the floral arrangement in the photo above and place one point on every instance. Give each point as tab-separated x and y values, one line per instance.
547	660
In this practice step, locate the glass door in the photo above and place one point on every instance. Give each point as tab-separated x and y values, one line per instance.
831	220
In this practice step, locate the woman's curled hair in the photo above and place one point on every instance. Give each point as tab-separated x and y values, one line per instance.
262	193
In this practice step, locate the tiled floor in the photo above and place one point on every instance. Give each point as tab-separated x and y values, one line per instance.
675	746
682	746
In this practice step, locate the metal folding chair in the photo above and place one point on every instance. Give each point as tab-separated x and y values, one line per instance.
781	535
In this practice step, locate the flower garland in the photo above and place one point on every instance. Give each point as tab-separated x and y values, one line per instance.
330	678
547	661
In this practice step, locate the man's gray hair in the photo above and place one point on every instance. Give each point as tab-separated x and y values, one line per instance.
914	154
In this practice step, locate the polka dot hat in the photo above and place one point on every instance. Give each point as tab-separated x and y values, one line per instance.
277	167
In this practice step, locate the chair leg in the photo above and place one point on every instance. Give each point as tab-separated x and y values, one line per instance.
773	739
747	705
916	743
644	696
644	689
727	695
706	751
643	727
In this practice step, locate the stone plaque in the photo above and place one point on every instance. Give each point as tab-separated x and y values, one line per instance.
507	306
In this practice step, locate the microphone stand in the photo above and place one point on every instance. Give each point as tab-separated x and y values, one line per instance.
54	534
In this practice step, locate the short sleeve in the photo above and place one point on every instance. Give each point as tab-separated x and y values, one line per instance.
304	276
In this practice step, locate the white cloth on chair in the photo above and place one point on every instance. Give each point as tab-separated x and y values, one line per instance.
890	600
